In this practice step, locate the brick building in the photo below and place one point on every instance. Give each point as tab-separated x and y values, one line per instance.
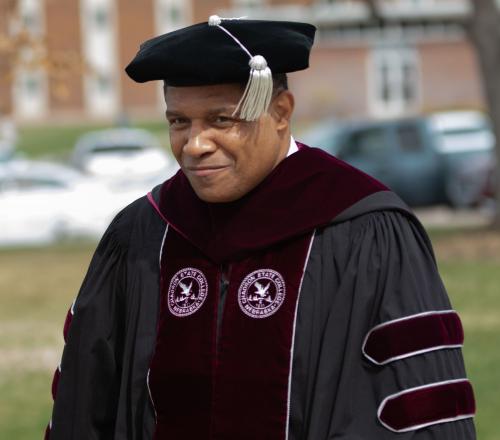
417	62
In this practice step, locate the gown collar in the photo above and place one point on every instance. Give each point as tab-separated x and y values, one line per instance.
306	190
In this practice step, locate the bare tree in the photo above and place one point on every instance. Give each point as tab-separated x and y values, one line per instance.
482	27
20	48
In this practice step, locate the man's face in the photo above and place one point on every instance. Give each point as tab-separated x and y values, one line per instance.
222	156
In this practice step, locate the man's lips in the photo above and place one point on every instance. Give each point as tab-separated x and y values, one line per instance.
203	171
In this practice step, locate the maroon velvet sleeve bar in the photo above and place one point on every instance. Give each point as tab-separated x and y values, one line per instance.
57	373
55	382
413	335
419	407
67	323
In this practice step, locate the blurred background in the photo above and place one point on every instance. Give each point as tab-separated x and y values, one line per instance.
407	90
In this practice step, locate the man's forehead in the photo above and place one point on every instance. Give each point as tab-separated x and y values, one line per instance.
223	96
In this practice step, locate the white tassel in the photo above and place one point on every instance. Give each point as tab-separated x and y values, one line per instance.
259	89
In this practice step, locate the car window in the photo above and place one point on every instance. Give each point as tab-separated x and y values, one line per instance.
325	136
409	138
117	149
370	142
465	139
37	183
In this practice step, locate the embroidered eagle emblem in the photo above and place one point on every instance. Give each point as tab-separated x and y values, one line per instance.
261	293
186	292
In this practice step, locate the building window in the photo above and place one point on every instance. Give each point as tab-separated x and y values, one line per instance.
100	18
248	3
31	22
30	94
31	85
100	54
171	15
174	14
394	81
103	84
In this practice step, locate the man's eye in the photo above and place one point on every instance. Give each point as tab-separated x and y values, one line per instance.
225	120
177	121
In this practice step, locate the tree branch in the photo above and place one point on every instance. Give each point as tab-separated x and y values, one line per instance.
374	11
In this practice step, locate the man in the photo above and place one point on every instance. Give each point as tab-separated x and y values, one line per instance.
268	290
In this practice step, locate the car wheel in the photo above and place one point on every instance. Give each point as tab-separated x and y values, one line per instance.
464	189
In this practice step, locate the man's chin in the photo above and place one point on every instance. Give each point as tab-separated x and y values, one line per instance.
220	192
211	196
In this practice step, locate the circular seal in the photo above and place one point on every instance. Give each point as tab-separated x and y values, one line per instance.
261	293
187	292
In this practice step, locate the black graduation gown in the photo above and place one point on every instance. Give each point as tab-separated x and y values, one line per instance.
372	264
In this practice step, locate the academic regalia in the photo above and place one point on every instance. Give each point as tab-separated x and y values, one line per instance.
171	333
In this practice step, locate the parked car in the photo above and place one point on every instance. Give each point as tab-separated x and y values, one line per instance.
42	202
441	158
123	152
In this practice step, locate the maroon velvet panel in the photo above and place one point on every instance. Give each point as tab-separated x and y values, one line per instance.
405	337
251	392
288	203
433	404
232	385
181	370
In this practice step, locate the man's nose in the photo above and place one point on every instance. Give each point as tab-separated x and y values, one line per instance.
199	142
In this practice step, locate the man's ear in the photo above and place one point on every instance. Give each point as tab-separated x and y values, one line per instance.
281	109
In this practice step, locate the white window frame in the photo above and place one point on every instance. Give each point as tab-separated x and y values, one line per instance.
100	51
163	26
29	105
395	59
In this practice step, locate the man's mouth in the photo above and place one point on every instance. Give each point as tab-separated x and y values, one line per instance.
203	171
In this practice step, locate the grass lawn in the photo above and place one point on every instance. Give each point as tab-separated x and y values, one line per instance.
38	285
58	141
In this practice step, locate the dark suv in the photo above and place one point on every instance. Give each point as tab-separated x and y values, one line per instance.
442	158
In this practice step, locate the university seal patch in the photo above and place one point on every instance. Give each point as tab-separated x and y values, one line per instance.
261	293
187	292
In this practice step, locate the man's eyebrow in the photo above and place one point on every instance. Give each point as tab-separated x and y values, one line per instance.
173	113
227	109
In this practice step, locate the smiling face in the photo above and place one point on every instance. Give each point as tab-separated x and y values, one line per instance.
222	156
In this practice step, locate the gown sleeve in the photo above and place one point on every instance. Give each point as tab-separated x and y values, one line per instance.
381	356
86	384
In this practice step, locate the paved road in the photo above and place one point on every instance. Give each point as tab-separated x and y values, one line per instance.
443	216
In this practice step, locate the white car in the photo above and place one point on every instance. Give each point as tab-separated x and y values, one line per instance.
123	152
42	202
